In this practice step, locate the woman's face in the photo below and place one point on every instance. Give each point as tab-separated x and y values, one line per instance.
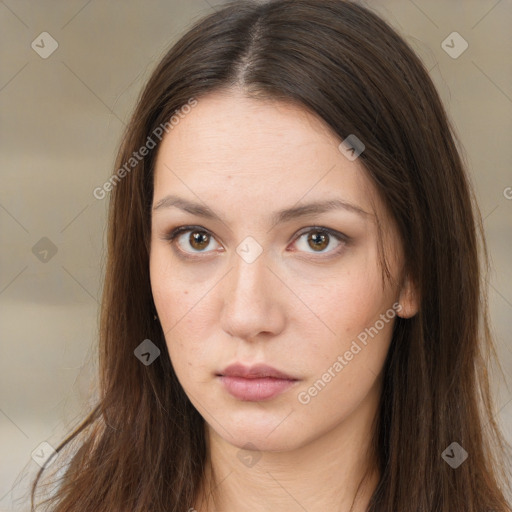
259	276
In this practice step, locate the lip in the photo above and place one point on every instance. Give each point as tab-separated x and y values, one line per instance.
254	371
255	383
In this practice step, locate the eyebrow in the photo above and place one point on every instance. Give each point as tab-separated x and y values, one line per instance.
277	218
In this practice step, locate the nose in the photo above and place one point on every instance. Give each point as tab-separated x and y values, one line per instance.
253	300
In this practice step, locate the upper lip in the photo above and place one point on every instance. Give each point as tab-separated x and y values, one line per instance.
254	372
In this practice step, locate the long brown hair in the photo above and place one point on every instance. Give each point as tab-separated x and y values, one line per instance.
142	446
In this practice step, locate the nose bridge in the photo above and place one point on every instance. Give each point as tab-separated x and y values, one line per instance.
250	305
248	279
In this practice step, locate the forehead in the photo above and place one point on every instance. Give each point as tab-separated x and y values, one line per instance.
251	154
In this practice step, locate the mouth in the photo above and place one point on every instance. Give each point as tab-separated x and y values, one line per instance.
255	383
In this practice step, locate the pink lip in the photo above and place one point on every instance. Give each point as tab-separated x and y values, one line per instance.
255	383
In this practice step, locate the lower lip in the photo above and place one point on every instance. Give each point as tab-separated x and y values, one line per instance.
255	389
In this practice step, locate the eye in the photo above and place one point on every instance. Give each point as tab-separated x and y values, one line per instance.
314	237
198	239
320	238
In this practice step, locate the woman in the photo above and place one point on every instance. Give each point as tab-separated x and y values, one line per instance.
293	314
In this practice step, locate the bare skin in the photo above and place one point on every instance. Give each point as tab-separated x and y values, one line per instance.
298	306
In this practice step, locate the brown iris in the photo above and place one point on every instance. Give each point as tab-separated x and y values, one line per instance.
319	240
200	238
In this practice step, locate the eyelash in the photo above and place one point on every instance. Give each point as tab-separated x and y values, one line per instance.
340	237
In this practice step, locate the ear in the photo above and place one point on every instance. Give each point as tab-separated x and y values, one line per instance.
408	299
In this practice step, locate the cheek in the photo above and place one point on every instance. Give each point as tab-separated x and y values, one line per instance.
350	298
183	313
350	308
173	290
344	365
171	299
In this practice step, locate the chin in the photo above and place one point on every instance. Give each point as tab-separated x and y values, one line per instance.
263	433
261	441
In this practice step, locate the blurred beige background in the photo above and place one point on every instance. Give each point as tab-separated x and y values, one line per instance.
61	120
